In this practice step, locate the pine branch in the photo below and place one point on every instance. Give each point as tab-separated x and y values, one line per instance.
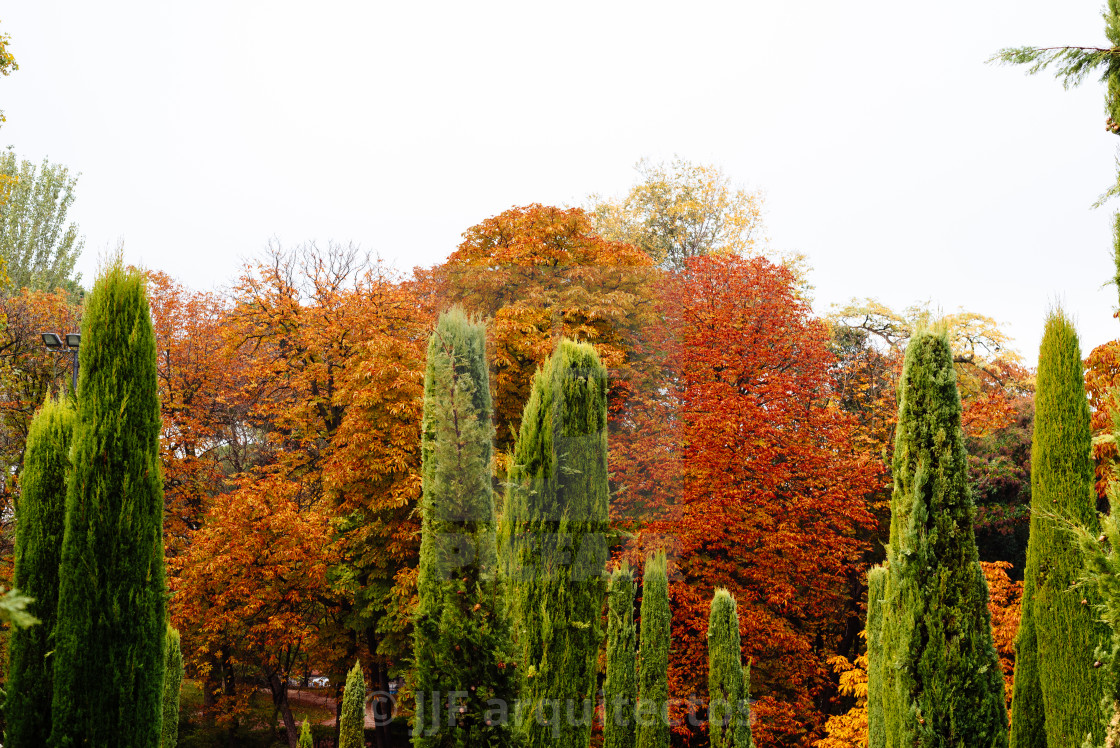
1072	63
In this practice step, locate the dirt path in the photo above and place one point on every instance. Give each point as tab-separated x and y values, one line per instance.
297	696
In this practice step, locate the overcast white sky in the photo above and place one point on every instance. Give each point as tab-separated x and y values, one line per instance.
901	164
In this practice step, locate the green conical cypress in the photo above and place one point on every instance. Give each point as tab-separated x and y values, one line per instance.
554	535
352	726
876	675
305	739
729	717
1056	684
40	511
172	682
109	641
653	662
936	629
461	641
620	692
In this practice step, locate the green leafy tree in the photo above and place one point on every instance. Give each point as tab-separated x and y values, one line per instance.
109	640
305	739
653	662
554	532
878	682
38	549
729	715
352	726
38	246
936	636
620	691
172	682
7	63
1056	685
461	631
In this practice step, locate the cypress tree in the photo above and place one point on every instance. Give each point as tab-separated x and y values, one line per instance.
172	682
461	640
1056	684
305	740
620	691
554	532
352	726
876	660
729	717
40	510
653	667
936	636
109	641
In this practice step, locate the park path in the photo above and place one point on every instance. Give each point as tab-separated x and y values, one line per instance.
298	696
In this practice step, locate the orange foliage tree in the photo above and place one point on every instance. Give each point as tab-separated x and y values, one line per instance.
772	487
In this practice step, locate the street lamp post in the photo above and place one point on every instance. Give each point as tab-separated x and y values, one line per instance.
57	344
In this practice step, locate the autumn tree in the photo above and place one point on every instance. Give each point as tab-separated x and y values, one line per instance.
772	490
1056	686
944	685
620	691
109	640
554	528
729	716
38	246
38	549
653	656
8	63
461	632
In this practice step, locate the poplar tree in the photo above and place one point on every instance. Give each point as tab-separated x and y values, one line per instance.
352	725
40	508
653	667
936	637
109	640
620	692
1056	684
461	640
729	716
172	683
554	535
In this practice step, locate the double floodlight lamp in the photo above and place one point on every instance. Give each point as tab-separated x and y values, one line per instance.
55	343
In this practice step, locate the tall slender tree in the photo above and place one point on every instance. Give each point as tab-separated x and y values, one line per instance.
936	628
172	683
554	535
39	525
1056	684
653	667
352	725
462	633
620	692
877	687
729	717
109	640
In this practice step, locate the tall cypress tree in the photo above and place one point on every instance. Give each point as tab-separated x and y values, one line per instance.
461	634
876	659
1056	684
936	629
729	717
620	692
554	535
172	683
40	509
305	739
109	640
352	725
653	662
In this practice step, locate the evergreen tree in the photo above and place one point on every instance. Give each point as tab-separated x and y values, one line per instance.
352	726
620	691
40	508
554	535
936	637
461	634
172	682
305	739
1056	684
876	659
729	716
653	666
109	641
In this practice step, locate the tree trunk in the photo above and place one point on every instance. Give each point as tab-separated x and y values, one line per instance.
279	688
380	684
